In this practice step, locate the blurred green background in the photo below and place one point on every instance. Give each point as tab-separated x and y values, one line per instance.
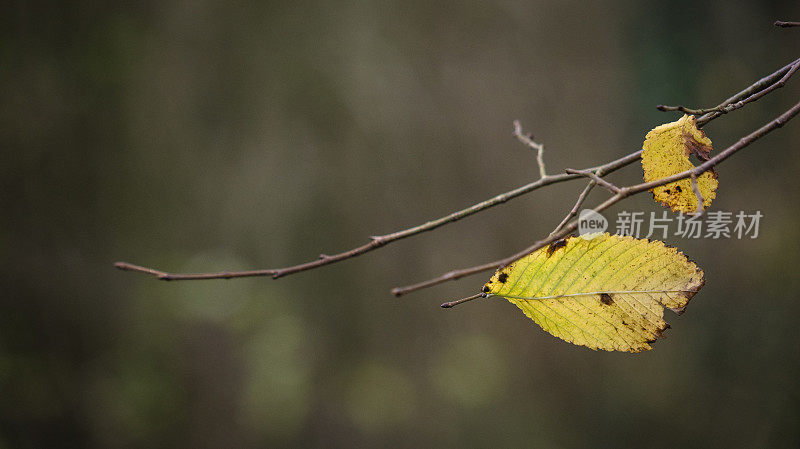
205	135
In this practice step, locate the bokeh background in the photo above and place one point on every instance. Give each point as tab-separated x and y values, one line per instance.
207	135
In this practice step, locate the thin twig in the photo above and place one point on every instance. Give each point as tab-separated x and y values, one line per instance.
763	87
748	93
782	24
574	211
780	83
623	193
450	304
700	200
527	139
591	175
689	111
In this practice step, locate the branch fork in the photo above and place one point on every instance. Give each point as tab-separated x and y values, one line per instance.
594	177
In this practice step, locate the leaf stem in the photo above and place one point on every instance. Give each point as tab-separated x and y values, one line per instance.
450	304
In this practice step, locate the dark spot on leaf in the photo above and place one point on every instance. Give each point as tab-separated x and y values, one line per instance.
502	278
555	246
485	288
605	298
677	189
667	191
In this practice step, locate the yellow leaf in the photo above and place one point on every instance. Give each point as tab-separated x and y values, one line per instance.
666	152
604	292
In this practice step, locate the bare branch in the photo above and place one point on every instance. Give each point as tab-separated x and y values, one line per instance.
381	240
762	87
622	194
164	276
527	139
749	91
780	83
690	111
782	24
